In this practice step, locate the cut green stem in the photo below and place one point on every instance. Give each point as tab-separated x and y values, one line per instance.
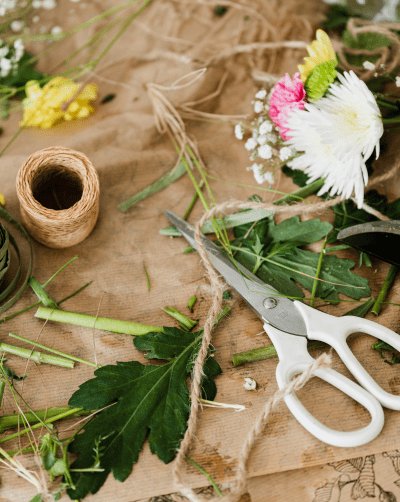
2	387
266	353
37	357
210	479
70	412
191	303
385	289
4	319
41	294
319	266
184	321
12	421
102	323
193	202
302	193
54	351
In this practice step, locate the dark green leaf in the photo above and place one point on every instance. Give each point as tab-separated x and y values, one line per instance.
281	248
226	295
10	373
365	41
37	498
108	98
25	72
379	346
293	229
48	459
362	310
151	400
299	177
336	16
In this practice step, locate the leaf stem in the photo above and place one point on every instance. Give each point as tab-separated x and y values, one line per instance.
2	387
38	357
302	193
210	479
385	289
319	266
103	323
193	202
11	421
147	277
58	352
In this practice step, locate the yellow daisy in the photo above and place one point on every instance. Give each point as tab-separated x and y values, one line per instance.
320	50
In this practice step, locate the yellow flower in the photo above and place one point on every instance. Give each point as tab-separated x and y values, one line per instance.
320	50
2	199
43	106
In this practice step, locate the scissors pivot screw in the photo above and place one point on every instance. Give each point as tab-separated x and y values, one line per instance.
270	303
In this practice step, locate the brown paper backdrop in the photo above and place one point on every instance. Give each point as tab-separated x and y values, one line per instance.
129	154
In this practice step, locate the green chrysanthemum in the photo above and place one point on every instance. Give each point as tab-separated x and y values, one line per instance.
319	78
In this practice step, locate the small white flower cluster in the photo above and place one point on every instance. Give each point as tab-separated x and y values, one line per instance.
250	384
44	4
264	142
9	57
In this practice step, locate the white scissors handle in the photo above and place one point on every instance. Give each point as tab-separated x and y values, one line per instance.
294	359
335	330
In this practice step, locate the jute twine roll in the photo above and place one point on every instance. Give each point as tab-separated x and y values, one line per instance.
64	227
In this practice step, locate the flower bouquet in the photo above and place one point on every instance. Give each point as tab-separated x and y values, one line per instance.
323	121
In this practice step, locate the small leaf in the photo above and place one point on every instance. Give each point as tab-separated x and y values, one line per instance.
226	295
293	229
362	310
319	79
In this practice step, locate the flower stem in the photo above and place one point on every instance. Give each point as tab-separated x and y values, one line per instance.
4	319
392	120
11	421
385	289
302	193
2	387
70	412
265	353
193	202
387	104
210	479
62	354
103	323
319	266
37	357
333	249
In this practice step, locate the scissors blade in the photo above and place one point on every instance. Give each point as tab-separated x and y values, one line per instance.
265	300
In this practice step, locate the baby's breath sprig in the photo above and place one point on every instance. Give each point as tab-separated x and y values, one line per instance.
265	143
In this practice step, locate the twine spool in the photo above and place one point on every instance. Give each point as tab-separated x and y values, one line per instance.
58	190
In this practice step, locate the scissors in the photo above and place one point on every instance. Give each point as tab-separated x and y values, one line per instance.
289	324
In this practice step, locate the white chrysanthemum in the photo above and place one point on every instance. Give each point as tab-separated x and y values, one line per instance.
348	118
337	134
319	161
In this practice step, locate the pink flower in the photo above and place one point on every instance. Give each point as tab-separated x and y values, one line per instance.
286	97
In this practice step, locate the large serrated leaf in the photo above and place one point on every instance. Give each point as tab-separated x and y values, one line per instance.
293	229
150	399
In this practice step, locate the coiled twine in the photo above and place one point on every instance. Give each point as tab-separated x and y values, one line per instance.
58	190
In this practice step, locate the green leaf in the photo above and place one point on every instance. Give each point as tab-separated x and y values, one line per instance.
42	295
366	41
150	400
379	346
25	72
11	375
293	229
282	283
336	16
362	310
300	178
335	270
226	295
37	498
281	248
319	79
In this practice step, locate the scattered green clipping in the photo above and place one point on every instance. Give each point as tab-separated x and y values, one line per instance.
192	301
184	322
147	277
379	346
41	294
159	185
188	250
220	10
319	79
108	98
363	309
385	289
226	295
